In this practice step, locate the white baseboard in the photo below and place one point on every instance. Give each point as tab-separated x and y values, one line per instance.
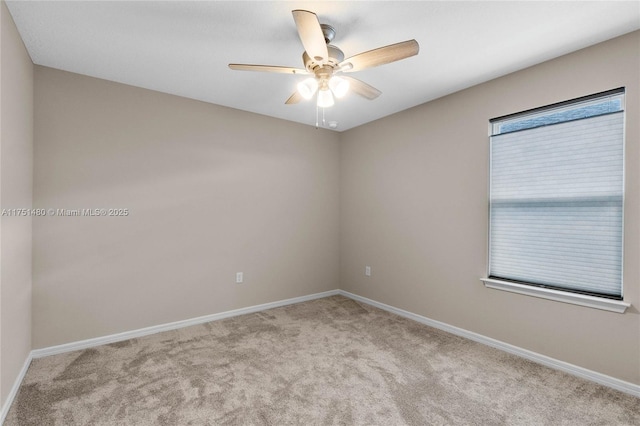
118	337
575	370
584	373
14	389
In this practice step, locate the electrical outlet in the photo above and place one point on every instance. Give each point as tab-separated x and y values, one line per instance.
239	277
367	271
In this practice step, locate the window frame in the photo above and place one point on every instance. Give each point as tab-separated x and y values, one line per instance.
612	303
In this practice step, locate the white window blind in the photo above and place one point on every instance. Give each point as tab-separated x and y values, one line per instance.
556	196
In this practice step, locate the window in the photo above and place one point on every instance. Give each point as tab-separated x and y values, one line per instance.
556	199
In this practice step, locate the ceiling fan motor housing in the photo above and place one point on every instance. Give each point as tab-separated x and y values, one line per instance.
335	57
328	32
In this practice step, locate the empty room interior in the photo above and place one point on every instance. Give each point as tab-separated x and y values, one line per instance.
319	213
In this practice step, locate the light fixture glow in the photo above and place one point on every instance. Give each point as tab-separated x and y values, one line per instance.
339	86
308	87
325	98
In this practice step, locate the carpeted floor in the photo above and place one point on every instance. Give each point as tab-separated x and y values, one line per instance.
330	361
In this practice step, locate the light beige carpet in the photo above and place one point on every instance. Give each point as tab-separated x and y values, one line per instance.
330	361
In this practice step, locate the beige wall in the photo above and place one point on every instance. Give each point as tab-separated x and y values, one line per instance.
211	191
414	206
16	160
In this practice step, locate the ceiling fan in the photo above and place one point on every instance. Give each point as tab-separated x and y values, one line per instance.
322	61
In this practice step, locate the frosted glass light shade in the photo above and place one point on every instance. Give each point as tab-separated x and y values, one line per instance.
339	86
325	98
308	87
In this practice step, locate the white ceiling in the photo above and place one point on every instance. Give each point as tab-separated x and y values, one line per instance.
183	48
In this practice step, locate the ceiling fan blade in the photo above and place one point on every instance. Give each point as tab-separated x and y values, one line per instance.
267	68
380	56
311	34
361	88
294	99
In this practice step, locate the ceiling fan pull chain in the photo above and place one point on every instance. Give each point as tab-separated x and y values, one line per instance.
317	116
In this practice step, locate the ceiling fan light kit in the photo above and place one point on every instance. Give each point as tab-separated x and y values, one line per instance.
339	86
323	60
325	98
308	87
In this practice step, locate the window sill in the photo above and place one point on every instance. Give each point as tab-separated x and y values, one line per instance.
559	296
